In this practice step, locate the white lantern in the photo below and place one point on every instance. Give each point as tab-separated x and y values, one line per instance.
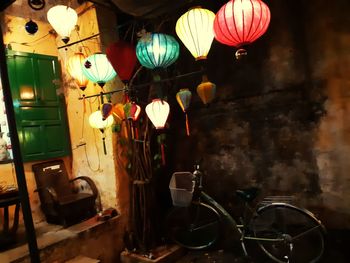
158	111
63	19
195	29
96	121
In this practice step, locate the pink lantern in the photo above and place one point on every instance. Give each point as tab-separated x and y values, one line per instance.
158	112
241	22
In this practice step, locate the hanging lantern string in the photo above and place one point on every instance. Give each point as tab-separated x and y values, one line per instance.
150	83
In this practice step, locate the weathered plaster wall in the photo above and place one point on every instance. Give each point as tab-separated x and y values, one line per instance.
87	160
280	119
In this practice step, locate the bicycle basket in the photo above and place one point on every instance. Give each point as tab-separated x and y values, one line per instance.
181	188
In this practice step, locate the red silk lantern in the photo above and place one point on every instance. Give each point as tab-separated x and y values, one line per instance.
132	111
183	97
241	22
122	56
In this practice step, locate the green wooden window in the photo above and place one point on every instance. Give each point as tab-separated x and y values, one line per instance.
40	112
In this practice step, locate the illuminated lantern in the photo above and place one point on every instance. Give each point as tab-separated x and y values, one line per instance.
158	111
63	19
206	90
118	111
241	22
195	29
75	69
157	50
122	56
98	69
132	111
183	97
96	121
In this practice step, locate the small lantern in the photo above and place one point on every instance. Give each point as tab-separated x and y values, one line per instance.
96	121
158	112
118	111
106	110
75	69
183	97
122	56
241	22
98	69
132	111
206	90
63	19
195	29
157	50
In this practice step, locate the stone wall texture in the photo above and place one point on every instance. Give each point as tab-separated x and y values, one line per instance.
280	120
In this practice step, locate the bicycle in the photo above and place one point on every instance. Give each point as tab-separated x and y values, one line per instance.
284	232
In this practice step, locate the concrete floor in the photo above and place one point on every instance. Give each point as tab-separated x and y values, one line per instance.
336	251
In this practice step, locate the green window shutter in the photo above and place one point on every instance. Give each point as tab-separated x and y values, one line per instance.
40	113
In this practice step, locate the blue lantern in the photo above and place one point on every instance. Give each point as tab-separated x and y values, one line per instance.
98	69
157	50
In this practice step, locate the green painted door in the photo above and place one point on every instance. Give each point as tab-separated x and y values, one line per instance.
40	111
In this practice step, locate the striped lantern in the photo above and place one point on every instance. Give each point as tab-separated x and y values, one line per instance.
195	29
98	69
241	22
75	69
157	50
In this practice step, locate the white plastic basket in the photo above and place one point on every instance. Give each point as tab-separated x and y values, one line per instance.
181	188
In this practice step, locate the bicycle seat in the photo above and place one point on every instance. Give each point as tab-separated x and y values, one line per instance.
248	194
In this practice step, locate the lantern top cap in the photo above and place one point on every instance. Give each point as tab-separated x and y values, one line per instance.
195	7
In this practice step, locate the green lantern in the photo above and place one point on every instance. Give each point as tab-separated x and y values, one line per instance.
157	50
98	69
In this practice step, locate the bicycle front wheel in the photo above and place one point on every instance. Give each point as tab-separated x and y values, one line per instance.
193	227
288	234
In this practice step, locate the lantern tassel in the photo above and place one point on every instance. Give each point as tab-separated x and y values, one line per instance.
163	153
104	146
187	125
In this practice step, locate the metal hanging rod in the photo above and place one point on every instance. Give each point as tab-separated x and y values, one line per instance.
79	41
146	84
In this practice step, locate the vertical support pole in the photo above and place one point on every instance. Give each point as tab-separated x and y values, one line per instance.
17	157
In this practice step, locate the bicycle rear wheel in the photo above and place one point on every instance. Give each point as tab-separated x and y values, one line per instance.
300	234
194	227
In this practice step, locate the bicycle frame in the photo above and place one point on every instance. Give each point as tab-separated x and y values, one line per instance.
238	228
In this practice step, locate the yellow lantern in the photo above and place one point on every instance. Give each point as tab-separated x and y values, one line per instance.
74	67
195	29
206	90
158	112
96	120
63	19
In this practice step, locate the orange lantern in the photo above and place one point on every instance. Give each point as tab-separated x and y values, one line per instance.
74	68
158	112
183	97
206	90
118	111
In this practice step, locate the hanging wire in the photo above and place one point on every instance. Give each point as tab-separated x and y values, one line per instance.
31	43
98	153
